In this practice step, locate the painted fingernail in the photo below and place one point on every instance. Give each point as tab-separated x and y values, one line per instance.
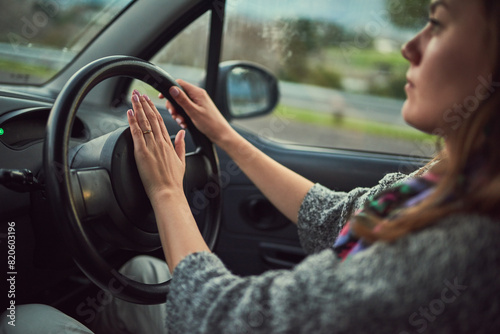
174	91
181	123
146	97
130	112
182	134
135	98
135	92
169	111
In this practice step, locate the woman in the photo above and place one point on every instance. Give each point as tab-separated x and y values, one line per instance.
412	254
422	255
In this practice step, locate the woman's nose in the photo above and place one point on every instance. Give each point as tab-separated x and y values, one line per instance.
410	51
404	51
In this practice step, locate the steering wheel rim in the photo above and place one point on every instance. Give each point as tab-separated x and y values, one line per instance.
60	178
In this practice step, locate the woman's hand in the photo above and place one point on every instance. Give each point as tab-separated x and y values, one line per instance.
202	111
283	187
160	164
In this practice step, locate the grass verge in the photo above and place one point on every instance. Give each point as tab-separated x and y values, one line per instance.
17	68
351	124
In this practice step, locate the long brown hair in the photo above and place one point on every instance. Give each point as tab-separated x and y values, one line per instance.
478	138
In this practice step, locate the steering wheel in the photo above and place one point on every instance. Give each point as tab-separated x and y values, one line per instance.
95	189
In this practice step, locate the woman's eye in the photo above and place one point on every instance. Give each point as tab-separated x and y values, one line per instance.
435	24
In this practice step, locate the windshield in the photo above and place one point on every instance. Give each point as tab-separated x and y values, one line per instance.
40	37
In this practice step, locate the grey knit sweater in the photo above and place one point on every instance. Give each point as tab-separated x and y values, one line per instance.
444	279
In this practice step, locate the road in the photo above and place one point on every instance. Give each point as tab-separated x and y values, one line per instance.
289	131
321	99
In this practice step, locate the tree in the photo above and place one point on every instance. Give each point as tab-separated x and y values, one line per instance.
407	13
307	37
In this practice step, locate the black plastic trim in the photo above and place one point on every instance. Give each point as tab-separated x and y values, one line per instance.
215	46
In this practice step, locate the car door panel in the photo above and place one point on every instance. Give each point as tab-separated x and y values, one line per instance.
252	242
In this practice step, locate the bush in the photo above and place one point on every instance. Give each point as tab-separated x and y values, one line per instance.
318	76
324	77
393	88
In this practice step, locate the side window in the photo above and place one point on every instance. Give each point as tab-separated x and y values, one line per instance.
340	68
183	57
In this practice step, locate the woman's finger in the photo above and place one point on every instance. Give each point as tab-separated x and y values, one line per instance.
180	146
151	114
161	123
135	130
184	101
175	115
170	107
188	97
142	119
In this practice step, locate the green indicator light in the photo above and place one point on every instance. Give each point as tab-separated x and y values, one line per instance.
1	131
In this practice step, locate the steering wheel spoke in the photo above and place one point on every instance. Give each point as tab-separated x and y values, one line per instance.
94	188
198	171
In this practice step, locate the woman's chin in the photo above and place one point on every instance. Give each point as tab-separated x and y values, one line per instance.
406	112
413	119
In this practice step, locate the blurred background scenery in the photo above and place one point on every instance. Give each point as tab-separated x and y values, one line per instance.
338	62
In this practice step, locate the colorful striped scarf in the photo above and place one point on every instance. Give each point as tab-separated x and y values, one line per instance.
386	205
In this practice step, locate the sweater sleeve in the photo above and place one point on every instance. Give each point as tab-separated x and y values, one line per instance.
324	212
425	282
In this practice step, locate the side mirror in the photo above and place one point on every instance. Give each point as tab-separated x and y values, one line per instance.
245	90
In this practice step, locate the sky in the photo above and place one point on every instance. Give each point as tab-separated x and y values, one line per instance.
344	12
341	11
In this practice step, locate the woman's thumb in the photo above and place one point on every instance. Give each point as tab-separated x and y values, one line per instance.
180	146
180	97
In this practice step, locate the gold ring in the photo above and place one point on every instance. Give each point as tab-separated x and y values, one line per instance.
147	131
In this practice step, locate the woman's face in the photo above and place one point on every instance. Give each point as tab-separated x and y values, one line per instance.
451	64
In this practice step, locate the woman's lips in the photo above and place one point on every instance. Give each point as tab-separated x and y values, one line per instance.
409	84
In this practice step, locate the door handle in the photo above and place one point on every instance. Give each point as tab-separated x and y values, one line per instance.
281	256
261	214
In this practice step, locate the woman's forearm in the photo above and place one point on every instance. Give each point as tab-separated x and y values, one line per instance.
283	187
177	227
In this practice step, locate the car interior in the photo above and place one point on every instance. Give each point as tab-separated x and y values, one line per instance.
70	193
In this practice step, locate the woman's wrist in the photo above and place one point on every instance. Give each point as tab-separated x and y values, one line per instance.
166	196
228	139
